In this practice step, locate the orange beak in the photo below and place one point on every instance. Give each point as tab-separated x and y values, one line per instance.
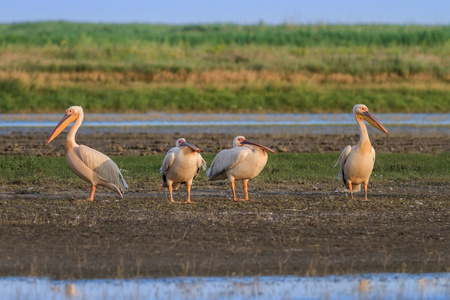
66	120
372	121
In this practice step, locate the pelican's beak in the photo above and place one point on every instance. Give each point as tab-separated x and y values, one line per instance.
258	145
66	120
372	121
193	148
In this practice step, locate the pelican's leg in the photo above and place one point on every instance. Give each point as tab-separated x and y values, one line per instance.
365	191
188	187
170	191
350	188
91	195
245	190
234	192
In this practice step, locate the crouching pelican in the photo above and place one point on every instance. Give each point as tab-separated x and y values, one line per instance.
242	162
181	165
87	163
356	163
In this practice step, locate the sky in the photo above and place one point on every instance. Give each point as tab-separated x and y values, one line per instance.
228	11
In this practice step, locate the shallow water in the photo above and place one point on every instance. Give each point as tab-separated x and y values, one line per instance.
162	123
223	119
367	286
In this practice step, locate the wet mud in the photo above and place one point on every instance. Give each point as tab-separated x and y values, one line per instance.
142	143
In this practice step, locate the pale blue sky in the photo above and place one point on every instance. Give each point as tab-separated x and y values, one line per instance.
229	11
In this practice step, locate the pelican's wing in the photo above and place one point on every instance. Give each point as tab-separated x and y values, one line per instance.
201	162
227	159
342	158
373	154
168	161
101	164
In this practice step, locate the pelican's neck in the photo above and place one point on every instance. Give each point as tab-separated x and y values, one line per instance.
70	140
364	141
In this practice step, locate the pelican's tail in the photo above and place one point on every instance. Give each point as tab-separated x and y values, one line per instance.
112	187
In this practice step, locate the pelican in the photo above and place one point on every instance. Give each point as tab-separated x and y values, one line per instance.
356	163
88	164
181	165
242	162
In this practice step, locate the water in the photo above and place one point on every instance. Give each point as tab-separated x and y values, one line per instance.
163	123
224	119
368	286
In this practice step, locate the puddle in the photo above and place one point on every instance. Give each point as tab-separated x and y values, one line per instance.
367	286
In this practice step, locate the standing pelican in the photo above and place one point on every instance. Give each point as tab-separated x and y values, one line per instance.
87	163
181	165
356	163
242	162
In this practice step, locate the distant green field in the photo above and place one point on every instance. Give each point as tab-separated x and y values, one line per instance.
49	66
72	34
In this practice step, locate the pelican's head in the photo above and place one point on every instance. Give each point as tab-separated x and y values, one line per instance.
182	143
241	141
72	113
360	111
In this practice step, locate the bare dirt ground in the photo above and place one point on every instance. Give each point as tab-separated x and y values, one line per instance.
149	143
287	229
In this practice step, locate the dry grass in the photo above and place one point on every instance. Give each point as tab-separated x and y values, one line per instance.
220	79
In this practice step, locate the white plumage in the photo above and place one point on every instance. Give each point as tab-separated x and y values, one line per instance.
87	163
181	165
242	162
356	163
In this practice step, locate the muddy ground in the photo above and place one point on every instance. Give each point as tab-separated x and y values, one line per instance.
150	143
302	230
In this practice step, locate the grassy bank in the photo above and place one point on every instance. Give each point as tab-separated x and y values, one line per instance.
142	67
271	98
286	168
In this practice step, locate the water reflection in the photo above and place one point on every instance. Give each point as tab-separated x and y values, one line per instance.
368	286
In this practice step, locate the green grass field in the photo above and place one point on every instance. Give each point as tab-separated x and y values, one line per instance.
284	168
71	34
46	67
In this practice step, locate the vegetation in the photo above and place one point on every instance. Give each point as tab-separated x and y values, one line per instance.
72	34
139	67
290	168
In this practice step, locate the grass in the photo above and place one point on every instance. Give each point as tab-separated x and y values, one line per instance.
18	97
48	66
71	34
284	168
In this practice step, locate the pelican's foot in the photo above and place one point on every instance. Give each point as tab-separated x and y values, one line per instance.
189	201
172	201
237	200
